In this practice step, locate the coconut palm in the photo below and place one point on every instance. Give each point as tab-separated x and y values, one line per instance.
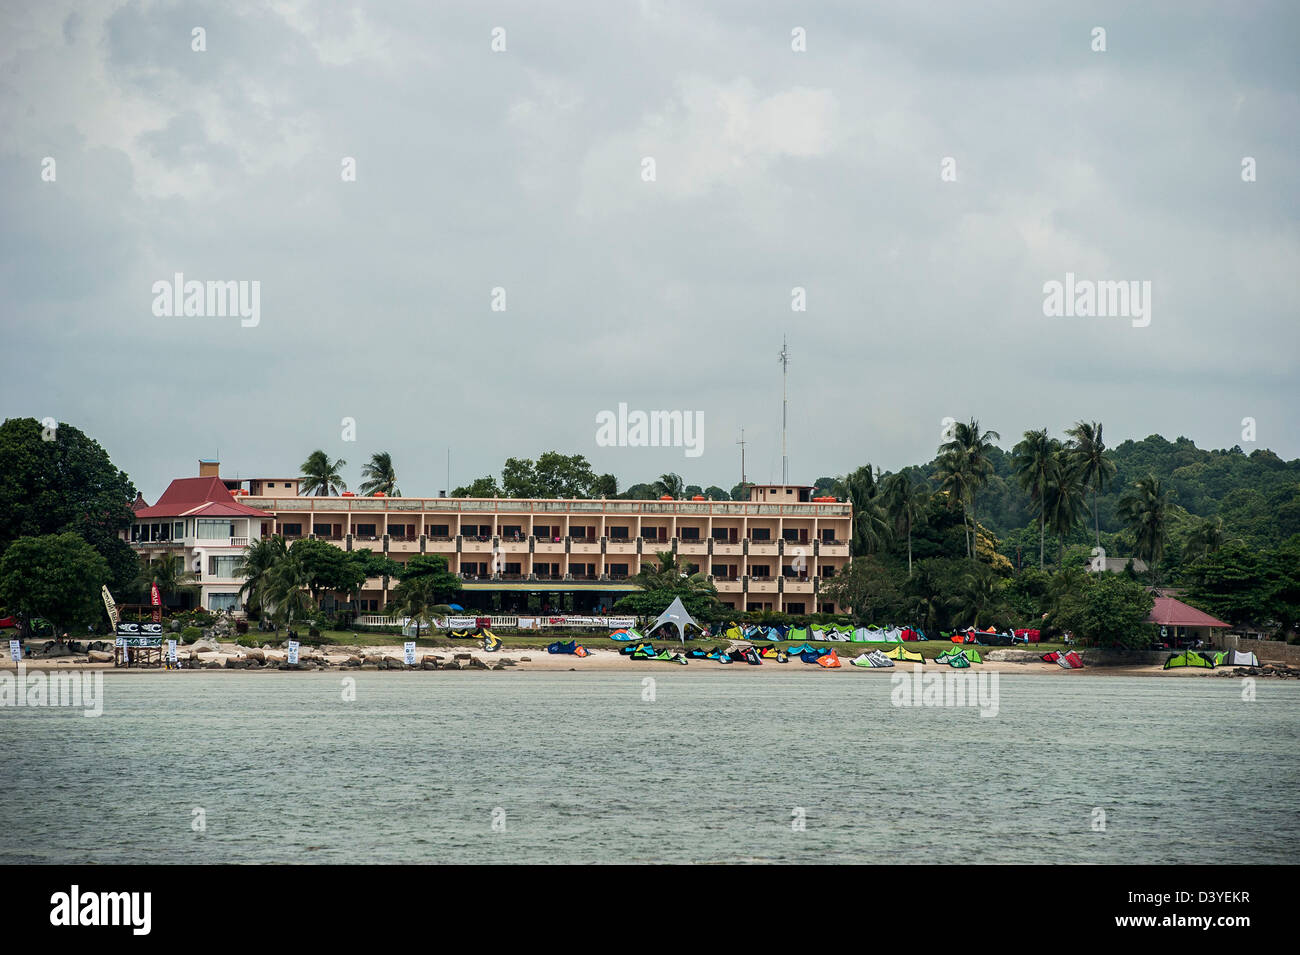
1205	538
1063	499
1034	458
870	525
1145	509
417	599
954	479
169	575
379	475
1088	457
973	448
286	592
979	600
671	485
256	564
904	502
320	475
670	574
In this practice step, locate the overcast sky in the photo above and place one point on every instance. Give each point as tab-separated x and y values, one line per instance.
523	170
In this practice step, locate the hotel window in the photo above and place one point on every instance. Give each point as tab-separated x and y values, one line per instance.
760	534
794	608
618	570
578	533
760	570
828	570
178	530
828	535
512	569
789	535
469	530
438	530
209	529
542	531
289	530
689	533
512	530
365	530
222	601
618	533
222	567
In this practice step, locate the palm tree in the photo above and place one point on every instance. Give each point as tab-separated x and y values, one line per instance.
170	576
1205	538
320	475
870	526
671	485
954	478
972	447
979	600
670	574
379	475
1063	499
1145	509
285	592
256	564
904	502
1034	457
1088	457
417	598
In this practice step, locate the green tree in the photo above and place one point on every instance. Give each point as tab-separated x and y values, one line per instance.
1062	500
604	486
1206	538
55	576
59	480
433	567
1107	610
380	476
669	484
416	597
168	573
1089	460
1035	458
870	525
872	591
1145	509
972	450
905	503
480	487
256	564
320	475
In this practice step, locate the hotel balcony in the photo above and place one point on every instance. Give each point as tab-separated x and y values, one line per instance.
620	546
403	545
762	548
762	585
833	550
475	546
695	548
798	585
728	549
513	546
584	546
548	546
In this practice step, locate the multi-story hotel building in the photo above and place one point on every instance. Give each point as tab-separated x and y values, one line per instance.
772	552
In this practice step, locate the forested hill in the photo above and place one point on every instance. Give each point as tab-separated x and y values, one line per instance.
1257	495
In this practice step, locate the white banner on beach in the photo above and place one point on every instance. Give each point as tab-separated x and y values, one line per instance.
293	652
409	647
171	650
15	650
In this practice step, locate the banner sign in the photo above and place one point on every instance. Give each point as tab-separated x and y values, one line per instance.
155	597
409	647
139	634
109	605
171	651
293	652
15	650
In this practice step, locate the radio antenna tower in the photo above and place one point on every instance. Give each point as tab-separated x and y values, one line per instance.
784	358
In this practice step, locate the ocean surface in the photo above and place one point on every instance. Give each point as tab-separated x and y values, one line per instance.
580	768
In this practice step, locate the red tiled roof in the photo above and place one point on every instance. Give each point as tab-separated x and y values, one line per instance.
198	496
1169	612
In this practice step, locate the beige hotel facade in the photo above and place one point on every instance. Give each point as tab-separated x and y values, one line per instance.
775	551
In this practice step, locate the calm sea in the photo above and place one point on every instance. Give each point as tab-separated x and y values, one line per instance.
726	767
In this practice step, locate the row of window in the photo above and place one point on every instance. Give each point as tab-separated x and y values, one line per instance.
543	532
204	528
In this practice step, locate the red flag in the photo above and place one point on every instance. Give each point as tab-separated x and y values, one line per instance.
155	597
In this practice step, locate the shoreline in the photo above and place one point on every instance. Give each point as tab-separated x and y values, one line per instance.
342	660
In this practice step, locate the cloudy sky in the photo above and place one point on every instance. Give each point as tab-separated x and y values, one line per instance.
524	169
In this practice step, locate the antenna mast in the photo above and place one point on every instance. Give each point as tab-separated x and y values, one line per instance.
741	442
784	358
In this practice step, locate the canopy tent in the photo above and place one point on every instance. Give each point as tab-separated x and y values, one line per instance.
677	616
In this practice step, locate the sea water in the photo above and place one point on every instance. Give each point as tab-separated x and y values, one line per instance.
601	767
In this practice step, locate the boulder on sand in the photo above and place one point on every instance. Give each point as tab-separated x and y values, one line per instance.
100	656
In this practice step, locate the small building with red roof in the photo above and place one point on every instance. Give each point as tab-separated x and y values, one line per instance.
1180	621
